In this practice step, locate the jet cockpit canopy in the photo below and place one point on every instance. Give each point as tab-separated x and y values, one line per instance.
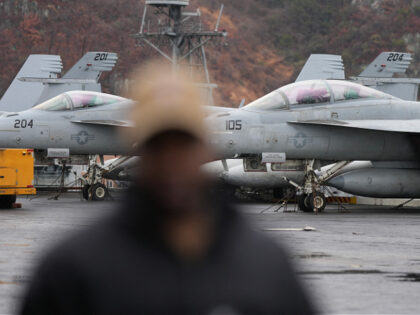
78	100
315	92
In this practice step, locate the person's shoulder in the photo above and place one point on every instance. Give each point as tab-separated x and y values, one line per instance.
267	262
64	272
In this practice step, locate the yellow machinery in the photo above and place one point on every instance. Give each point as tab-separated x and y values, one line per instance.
16	175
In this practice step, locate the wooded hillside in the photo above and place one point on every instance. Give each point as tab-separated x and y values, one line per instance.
268	42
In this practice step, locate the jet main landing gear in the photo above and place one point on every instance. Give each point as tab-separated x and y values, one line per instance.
312	202
97	192
312	199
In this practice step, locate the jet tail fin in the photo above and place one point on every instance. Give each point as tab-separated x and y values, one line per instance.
38	78
322	66
22	95
379	75
84	75
91	65
387	64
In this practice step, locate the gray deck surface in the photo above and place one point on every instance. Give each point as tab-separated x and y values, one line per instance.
363	261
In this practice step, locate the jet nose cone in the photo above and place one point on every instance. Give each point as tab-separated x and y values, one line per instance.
337	182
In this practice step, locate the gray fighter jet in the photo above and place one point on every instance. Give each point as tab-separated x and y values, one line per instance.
76	122
253	173
39	80
253	177
320	122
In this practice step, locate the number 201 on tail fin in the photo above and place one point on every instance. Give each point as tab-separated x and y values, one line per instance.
99	56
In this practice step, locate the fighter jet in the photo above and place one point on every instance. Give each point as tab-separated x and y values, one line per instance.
76	122
320	122
252	176
39	80
70	125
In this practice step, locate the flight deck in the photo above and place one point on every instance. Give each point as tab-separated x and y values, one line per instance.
361	260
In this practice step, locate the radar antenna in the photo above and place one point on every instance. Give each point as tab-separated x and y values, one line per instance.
179	37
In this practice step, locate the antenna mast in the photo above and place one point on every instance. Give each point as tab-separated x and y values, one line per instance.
179	37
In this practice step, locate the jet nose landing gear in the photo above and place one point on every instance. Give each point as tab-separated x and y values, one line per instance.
313	202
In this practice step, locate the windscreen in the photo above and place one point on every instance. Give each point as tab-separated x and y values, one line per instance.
58	103
85	99
272	101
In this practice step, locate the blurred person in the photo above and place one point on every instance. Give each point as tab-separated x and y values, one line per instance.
176	246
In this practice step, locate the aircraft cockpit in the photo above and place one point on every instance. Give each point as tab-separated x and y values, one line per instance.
75	100
315	92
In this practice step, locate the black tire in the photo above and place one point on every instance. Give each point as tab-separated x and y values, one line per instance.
85	191
7	201
302	204
99	192
308	203
317	199
13	198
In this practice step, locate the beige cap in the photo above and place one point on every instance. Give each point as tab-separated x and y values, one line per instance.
164	102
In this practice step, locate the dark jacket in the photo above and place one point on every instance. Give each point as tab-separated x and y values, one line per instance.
121	266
